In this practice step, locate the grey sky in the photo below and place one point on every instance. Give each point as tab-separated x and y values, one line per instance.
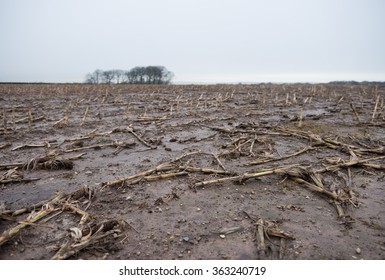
200	40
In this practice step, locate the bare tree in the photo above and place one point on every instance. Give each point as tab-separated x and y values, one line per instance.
118	75
166	76
108	76
94	77
90	79
137	75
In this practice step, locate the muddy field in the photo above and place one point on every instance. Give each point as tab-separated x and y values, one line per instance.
192	172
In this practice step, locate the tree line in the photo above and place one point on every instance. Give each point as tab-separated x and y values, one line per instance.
137	75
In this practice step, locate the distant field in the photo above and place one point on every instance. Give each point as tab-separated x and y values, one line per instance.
192	172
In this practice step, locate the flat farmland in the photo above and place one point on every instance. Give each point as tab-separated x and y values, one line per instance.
192	171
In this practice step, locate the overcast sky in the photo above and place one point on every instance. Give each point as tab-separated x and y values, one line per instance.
199	40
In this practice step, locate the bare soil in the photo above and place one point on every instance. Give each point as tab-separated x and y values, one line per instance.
306	160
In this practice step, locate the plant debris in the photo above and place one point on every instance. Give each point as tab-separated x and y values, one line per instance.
238	170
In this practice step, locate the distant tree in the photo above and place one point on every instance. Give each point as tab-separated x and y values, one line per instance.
108	76
149	75
153	74
167	76
118	75
137	75
90	79
95	77
128	79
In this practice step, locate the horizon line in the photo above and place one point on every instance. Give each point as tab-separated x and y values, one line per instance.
214	83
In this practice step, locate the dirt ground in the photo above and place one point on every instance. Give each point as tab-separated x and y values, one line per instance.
192	172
